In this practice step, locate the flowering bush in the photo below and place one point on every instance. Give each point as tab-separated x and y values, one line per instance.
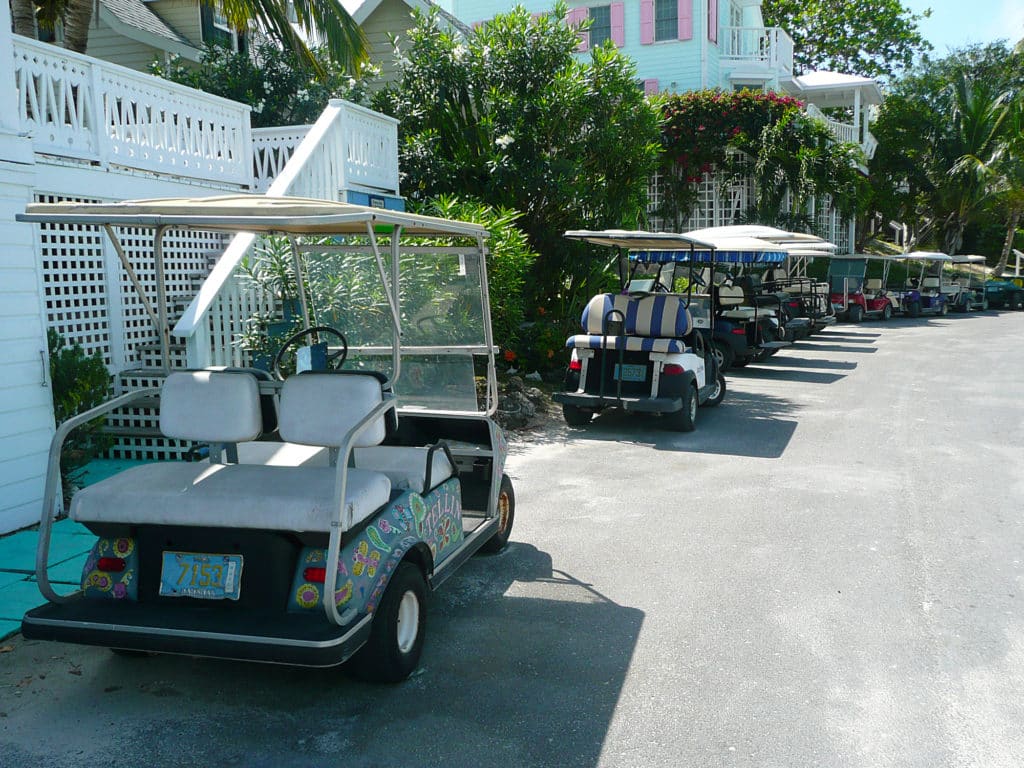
279	88
790	153
699	126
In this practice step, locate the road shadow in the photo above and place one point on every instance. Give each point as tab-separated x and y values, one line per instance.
825	346
844	337
772	373
755	425
809	362
521	662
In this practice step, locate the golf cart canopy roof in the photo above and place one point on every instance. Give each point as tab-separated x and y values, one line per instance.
867	256
792	240
666	247
924	256
248	213
635	239
972	259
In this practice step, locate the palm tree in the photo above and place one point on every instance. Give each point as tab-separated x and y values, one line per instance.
326	21
1011	168
964	172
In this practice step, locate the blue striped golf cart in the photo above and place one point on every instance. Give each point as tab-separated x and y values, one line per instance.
327	498
651	347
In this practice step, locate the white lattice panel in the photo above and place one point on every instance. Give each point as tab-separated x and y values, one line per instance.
187	258
83	305
75	282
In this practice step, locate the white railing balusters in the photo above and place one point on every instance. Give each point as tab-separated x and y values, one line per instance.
81	107
771	46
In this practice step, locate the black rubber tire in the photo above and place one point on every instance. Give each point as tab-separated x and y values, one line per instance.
685	419
944	310
887	312
507	515
741	363
914	309
1018	302
724	354
381	660
576	417
719	394
855	313
984	305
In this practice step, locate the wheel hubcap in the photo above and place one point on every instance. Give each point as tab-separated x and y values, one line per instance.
408	625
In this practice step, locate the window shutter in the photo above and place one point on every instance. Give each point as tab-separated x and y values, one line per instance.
650	87
618	15
646	22
713	21
685	11
574	18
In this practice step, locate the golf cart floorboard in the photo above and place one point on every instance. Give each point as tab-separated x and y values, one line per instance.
200	630
774	344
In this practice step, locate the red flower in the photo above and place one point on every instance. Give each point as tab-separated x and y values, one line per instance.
509	355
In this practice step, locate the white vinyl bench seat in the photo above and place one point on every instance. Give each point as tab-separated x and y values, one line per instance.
405	466
287	492
229	496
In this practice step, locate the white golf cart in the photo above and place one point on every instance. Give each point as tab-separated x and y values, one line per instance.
332	498
971	276
652	347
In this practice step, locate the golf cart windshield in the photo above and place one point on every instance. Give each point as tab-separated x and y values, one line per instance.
846	274
408	293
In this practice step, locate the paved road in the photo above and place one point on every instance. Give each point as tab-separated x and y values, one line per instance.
827	573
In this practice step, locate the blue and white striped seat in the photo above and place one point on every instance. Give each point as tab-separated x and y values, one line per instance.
654	323
597	310
628	343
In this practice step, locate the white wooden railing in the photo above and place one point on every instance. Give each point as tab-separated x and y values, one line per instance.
367	154
847	131
272	148
341	146
771	46
83	108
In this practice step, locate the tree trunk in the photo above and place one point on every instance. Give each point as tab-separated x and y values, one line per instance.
1011	231
76	25
23	13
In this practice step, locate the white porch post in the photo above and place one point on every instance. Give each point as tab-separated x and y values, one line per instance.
856	115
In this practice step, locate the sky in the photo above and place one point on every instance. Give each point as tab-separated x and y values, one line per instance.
956	23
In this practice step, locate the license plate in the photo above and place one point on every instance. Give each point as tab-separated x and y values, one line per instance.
630	372
201	575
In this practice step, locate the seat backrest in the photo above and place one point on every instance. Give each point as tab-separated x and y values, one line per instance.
593	320
730	295
930	282
210	407
777	274
320	408
661	316
873	284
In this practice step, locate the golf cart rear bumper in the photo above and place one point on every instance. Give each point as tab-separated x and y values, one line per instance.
824	322
311	641
631	404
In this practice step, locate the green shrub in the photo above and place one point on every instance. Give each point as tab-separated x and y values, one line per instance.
79	382
279	88
509	259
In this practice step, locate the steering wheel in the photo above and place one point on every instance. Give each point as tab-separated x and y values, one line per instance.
317	329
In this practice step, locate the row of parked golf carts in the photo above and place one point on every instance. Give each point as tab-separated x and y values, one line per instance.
326	497
691	306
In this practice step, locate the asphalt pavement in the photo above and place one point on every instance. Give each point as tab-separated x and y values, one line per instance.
828	572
